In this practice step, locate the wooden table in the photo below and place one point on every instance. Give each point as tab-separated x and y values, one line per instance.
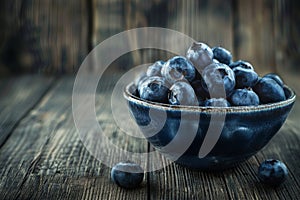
42	156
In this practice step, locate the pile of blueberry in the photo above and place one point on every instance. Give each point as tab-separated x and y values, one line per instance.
208	77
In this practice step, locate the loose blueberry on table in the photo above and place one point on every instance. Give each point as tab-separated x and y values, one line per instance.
272	172
127	175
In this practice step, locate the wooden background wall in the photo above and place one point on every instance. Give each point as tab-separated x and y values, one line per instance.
54	36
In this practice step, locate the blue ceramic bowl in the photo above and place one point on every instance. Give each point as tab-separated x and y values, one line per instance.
179	132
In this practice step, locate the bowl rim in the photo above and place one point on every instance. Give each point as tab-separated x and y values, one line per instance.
208	109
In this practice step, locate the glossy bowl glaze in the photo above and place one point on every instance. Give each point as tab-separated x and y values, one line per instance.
245	129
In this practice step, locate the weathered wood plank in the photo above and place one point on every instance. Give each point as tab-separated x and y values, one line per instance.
45	158
18	95
45	36
254	38
286	29
200	20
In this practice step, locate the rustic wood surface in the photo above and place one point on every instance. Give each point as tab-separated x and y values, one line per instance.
18	96
54	37
44	158
44	36
41	154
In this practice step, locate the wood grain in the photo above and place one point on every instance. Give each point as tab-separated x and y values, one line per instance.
254	33
45	159
18	95
45	36
54	37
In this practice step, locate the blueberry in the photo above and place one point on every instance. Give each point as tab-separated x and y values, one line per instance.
139	79
182	93
155	69
215	61
216	78
216	102
154	88
245	77
272	172
244	97
269	91
241	63
178	68
275	77
127	174
199	90
200	54
222	55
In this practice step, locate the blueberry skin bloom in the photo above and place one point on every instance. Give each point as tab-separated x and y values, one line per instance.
275	77
178	68
269	91
245	77
216	102
200	54
154	88
155	69
272	172
244	97
127	175
242	64
218	77
182	93
222	55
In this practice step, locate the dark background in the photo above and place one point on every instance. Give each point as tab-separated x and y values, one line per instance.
54	36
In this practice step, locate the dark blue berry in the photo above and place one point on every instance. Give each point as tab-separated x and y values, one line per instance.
127	175
275	77
244	97
272	172
216	102
182	93
241	63
218	77
154	88
200	92
222	55
178	68
269	91
155	69
245	77
200	54
215	61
